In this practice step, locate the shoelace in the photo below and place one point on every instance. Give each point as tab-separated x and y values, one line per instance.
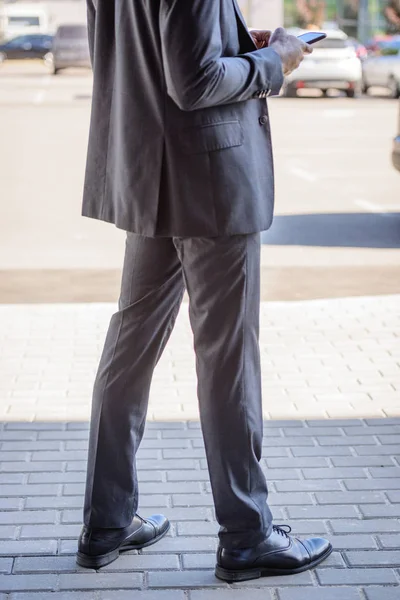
282	529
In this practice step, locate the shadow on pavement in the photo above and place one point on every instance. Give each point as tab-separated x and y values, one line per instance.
351	230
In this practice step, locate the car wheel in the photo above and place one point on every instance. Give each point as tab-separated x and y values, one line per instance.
364	87
56	71
394	88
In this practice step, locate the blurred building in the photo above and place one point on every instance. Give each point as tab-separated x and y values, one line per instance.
57	11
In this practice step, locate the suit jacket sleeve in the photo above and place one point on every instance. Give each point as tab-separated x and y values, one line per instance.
197	74
91	19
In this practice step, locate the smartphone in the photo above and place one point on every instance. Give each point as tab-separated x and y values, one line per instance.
311	37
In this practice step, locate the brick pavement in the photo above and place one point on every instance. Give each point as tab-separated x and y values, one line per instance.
329	369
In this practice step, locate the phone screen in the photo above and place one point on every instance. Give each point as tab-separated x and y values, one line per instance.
312	36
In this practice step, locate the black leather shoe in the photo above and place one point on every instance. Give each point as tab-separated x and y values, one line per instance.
99	547
279	554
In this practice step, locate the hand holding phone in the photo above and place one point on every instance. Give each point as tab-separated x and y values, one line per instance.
290	49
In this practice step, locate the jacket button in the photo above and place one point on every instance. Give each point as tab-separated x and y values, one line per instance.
263	120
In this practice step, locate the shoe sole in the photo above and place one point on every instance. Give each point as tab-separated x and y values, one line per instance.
244	575
96	562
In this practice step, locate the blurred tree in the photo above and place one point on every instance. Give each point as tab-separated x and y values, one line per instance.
310	13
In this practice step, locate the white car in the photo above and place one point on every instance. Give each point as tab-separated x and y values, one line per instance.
333	64
383	71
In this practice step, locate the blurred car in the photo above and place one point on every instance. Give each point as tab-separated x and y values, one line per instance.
70	48
361	50
396	146
333	64
26	47
378	43
383	69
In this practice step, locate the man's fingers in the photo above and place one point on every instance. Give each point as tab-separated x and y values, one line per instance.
308	49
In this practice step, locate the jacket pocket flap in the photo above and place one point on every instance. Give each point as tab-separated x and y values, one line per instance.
211	137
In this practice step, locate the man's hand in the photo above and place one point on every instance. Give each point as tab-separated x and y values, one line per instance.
290	48
261	37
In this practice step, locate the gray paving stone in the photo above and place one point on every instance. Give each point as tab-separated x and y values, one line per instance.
11	478
335	560
154	500
93	581
379	558
199	561
183	544
231	594
27	467
13	456
362	461
286	442
313	431
353	542
197	528
46	564
75	445
102	595
30	446
389	541
388	421
295	463
380	511
11	583
369	576
63	435
62	455
335	473
181	435
72	477
192	500
199	475
385	472
167	464
19	517
289	499
346	441
20	548
344	593
49	531
6	436
350	497
54	502
34	426
11	503
312	485
322	451
394	496
144	562
173	443
372	484
28	490
389	593
6	565
68	547
365	526
309	527
389	439
186	453
170	488
282	474
161	425
322	512
372	430
8	532
184	579
377	450
300	579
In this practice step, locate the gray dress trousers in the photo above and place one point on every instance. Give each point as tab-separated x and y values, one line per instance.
222	277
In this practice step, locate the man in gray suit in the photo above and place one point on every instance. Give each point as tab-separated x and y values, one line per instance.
180	157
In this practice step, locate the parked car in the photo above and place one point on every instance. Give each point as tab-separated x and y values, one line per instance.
383	68
70	48
360	49
26	46
396	146
333	64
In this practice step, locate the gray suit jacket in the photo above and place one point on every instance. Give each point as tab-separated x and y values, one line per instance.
179	139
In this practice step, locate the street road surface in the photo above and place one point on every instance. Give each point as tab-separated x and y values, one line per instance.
337	226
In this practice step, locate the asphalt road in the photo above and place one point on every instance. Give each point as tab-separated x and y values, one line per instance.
337	226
